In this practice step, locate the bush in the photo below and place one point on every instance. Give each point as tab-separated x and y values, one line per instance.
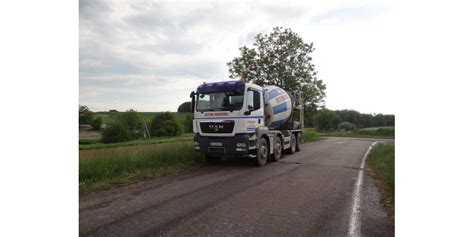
131	119
96	123
85	115
384	132
188	123
165	124
116	132
346	126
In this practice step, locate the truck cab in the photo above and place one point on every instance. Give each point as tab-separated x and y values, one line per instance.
229	121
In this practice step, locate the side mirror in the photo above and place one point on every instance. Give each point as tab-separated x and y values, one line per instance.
247	112
193	100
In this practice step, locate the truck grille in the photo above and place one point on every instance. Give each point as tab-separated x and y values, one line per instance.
217	127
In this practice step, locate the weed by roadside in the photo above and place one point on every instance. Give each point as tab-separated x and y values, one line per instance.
95	144
386	133
381	162
310	136
105	170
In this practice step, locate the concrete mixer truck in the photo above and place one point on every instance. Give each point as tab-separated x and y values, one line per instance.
239	119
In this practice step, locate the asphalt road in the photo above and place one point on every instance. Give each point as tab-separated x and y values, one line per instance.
309	193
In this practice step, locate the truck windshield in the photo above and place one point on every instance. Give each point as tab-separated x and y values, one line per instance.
220	101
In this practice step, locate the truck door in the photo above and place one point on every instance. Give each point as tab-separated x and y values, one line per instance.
254	107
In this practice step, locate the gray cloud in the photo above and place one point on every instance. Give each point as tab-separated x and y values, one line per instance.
351	13
176	46
284	11
151	52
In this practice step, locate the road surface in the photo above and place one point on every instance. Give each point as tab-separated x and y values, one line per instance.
309	193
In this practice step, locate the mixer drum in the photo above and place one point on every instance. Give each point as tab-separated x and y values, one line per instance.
278	106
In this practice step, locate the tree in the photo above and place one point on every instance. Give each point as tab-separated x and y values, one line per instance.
131	119
96	123
185	107
327	120
281	58
85	115
350	116
379	120
116	132
389	120
165	124
346	126
310	112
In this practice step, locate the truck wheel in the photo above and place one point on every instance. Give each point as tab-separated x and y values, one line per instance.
212	159
277	152
292	148
262	152
299	141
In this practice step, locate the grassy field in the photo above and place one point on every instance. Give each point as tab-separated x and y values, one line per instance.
96	144
309	135
102	166
381	132
108	117
111	167
381	161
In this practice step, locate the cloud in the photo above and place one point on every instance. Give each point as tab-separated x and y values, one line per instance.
350	14
150	55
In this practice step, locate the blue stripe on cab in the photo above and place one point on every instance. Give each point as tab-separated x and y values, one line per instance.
280	108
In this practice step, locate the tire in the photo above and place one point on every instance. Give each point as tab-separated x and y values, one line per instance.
292	148
212	159
262	152
278	148
299	141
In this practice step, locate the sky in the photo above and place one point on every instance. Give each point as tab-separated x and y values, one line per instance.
149	55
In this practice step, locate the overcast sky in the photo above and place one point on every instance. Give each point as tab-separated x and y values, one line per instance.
150	55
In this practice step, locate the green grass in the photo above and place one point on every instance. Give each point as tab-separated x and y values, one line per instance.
382	161
110	169
108	117
310	136
383	132
95	144
88	141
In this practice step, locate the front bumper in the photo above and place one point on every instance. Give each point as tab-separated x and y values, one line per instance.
222	146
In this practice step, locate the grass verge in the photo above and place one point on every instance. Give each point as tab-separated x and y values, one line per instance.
310	136
108	169
381	162
104	168
84	145
385	133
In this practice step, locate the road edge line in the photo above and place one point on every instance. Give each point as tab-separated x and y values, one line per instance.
354	220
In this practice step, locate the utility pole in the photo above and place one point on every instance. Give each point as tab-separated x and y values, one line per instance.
145	129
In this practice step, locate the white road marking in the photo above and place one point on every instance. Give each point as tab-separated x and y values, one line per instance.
354	221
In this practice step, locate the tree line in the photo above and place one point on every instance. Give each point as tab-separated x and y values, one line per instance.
129	125
331	120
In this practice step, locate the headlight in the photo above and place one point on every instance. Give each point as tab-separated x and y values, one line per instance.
196	143
241	145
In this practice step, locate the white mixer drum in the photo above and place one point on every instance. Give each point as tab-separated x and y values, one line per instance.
278	106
